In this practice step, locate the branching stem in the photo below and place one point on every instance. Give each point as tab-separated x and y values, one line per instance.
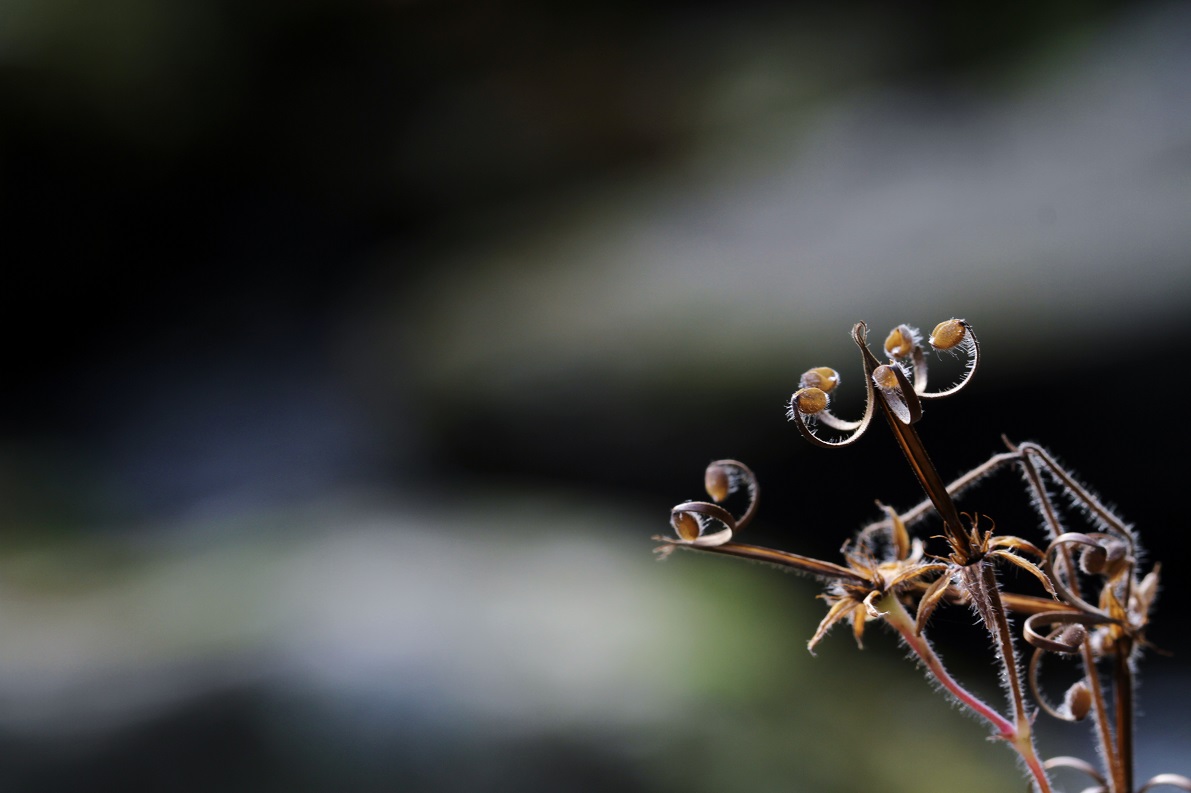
1016	732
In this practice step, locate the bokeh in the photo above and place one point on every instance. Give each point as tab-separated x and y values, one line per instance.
355	350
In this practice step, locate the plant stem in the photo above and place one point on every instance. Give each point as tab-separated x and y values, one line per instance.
1016	734
1122	690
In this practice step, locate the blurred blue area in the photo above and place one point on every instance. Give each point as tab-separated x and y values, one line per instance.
357	349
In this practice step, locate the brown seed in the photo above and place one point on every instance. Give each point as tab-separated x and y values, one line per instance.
1078	700
718	481
685	525
885	378
948	335
822	377
809	401
900	342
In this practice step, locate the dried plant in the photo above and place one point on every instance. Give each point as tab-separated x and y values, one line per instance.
1094	600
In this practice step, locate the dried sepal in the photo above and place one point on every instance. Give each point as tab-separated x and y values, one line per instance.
930	601
1028	566
1144	595
899	536
839	610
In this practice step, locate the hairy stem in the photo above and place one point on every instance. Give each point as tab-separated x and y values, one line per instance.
1103	726
1015	732
1122	690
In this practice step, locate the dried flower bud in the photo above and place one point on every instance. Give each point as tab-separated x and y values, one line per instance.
718	481
1078	701
885	378
947	335
822	377
901	341
809	401
686	526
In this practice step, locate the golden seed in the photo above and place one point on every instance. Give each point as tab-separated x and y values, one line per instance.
948	335
685	525
823	378
718	482
885	378
900	342
810	400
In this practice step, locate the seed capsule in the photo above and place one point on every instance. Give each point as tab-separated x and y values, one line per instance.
900	342
947	335
809	401
822	377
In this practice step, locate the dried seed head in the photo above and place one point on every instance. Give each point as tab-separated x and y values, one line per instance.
718	481
901	341
686	526
809	401
885	378
1078	701
947	335
823	378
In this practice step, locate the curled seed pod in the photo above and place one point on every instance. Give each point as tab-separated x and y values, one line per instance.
1078	701
823	378
686	526
718	482
809	401
947	335
901	341
885	378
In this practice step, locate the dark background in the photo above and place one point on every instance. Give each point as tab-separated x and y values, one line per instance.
356	349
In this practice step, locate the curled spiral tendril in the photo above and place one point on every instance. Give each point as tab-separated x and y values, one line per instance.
901	383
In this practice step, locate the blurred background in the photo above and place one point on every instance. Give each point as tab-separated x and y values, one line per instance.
356	350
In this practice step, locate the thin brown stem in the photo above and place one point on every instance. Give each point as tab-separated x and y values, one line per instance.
1016	732
1122	689
1104	735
